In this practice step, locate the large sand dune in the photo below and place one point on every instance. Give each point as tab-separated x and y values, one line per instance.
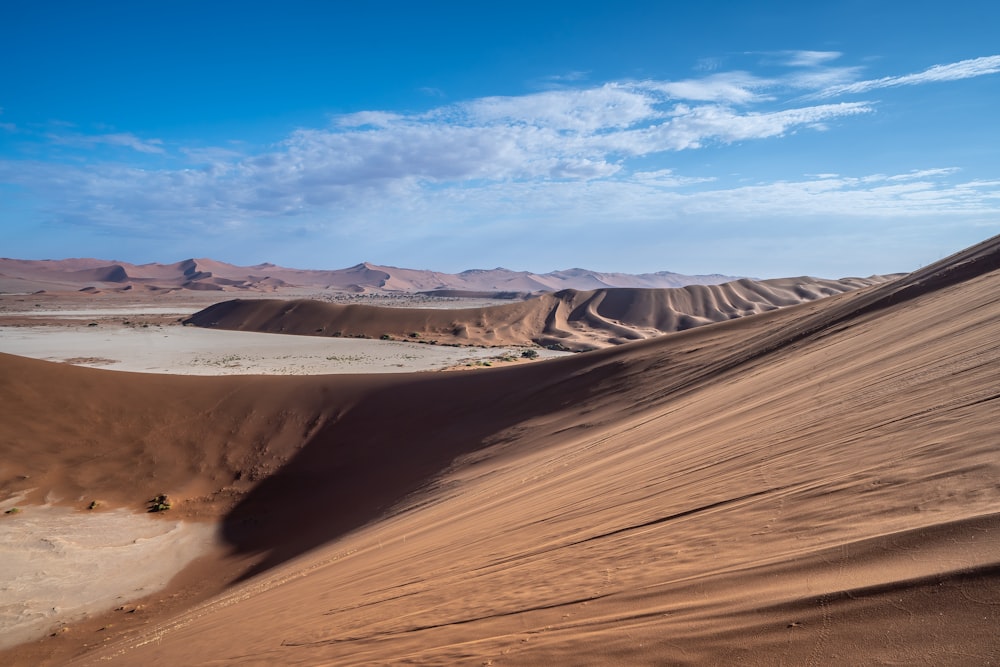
568	319
813	485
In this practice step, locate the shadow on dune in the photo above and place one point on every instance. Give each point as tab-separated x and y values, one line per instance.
393	441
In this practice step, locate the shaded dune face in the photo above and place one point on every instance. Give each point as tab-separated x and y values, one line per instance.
811	484
571	319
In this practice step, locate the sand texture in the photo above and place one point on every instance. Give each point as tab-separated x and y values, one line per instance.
568	319
818	484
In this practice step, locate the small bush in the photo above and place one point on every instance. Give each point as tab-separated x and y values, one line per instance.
159	504
530	354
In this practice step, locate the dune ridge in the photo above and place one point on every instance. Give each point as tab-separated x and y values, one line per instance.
568	319
813	484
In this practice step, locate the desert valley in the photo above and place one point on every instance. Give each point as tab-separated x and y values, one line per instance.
614	469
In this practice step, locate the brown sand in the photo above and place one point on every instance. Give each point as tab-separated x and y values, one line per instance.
813	485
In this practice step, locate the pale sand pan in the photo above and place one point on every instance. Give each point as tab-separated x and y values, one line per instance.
194	351
61	564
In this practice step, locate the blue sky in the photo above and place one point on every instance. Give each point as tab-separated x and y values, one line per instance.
764	139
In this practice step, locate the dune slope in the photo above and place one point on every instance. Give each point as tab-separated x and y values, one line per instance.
811	485
569	319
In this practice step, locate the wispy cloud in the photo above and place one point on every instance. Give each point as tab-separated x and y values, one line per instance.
728	87
560	81
808	58
121	139
612	106
965	69
568	77
708	64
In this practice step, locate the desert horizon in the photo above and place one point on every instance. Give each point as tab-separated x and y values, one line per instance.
813	478
91	275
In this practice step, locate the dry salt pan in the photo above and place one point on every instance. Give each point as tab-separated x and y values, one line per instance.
61	564
194	351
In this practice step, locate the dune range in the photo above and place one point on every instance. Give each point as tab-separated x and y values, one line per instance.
811	485
568	319
208	275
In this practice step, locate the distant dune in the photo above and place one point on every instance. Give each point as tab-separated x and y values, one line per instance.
209	275
812	485
568	319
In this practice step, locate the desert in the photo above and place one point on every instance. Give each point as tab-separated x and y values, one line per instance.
810	481
499	334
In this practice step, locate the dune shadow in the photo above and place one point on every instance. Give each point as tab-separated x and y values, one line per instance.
392	442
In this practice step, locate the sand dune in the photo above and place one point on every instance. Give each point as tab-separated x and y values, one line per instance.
568	319
811	485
